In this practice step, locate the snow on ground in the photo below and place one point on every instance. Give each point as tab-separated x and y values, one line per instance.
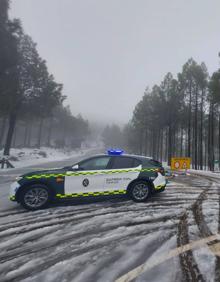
24	157
205	173
103	241
154	273
95	242
202	256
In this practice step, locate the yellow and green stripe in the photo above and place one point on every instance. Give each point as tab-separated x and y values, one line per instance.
159	187
54	175
92	194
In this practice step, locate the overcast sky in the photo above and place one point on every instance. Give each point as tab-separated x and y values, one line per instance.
106	52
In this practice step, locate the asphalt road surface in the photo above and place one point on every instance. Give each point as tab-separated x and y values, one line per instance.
174	236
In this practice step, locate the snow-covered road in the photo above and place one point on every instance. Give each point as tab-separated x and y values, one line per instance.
103	241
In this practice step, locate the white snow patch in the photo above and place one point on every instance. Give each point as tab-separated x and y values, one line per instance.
205	173
206	261
29	156
168	269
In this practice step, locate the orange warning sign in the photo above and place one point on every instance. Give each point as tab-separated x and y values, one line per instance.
180	163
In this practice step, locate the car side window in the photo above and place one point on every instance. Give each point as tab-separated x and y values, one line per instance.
124	162
95	163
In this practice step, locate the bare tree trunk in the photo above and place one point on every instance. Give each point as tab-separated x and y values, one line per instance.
11	127
14	137
148	142
151	143
154	144
145	142
157	136
140	142
29	135
173	142
211	138
201	132
196	131
161	145
206	151
50	132
3	128
169	145
219	140
40	133
189	121
26	134
166	146
181	141
193	145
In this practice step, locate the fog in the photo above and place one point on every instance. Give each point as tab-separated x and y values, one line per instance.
106	52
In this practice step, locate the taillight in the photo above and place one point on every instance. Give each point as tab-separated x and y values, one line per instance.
161	170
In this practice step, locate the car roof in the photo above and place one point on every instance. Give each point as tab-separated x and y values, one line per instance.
125	155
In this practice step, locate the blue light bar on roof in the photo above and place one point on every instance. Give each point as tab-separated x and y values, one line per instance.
115	152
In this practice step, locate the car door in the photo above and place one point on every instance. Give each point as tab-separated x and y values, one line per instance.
124	170
89	177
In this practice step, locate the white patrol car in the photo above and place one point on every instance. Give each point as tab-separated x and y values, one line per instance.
109	174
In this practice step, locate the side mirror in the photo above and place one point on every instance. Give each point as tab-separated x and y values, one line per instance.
75	167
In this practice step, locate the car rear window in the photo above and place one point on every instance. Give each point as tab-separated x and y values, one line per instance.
124	162
155	163
150	162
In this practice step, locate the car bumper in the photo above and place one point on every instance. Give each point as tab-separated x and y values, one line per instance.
14	188
159	182
161	189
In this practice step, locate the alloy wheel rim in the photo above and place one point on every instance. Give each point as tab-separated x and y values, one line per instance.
140	191
36	197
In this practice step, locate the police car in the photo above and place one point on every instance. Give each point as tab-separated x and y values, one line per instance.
109	174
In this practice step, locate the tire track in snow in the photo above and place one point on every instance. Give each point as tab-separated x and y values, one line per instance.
70	245
67	253
203	227
13	250
189	266
190	270
68	216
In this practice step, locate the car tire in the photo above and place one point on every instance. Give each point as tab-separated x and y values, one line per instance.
35	197
139	191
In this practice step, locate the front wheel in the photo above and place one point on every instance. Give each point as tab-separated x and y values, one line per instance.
139	191
35	197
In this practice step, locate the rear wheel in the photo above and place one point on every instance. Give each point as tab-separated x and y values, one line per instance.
139	191
35	197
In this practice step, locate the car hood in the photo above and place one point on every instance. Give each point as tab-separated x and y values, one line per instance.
46	171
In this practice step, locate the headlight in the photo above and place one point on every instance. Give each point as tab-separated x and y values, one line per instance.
18	178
